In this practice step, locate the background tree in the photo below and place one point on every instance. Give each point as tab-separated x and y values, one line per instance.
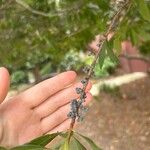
34	32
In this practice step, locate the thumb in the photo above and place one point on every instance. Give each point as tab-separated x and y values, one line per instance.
4	83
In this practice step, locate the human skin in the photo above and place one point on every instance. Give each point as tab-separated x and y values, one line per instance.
40	110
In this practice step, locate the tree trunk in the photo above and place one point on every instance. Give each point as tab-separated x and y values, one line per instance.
36	73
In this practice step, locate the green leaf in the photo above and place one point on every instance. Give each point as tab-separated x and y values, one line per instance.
143	9
29	147
76	145
65	145
110	51
134	37
102	56
43	140
64	135
90	142
57	146
2	148
145	36
117	45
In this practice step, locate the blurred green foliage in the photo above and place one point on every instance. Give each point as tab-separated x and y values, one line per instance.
107	68
34	32
19	76
145	48
72	61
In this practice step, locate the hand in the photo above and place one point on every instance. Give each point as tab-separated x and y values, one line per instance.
39	110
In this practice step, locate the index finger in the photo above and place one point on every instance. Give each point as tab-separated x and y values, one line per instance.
42	91
4	83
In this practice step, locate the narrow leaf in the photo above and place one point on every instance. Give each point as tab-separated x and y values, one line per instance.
76	145
64	135
134	37
143	9
29	147
43	140
57	146
2	148
65	145
102	56
110	52
117	45
144	35
90	142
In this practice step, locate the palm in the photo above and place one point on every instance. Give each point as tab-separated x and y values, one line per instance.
21	121
29	115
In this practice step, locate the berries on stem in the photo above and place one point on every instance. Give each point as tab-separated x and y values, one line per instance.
77	105
84	81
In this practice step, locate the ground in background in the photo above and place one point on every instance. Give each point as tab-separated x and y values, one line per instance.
120	120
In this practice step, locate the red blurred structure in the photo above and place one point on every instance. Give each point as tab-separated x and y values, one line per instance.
131	60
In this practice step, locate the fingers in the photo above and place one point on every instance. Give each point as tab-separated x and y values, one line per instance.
40	92
58	100
64	126
4	83
54	120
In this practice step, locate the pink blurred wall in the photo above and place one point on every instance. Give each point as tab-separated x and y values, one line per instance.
132	65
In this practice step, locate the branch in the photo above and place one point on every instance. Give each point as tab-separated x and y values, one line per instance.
101	43
116	18
6	5
50	15
75	33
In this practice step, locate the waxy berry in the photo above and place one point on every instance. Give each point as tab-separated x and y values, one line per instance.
91	52
74	106
79	90
86	69
71	115
84	81
98	45
83	96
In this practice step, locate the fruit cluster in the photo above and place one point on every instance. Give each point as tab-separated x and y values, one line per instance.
77	108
